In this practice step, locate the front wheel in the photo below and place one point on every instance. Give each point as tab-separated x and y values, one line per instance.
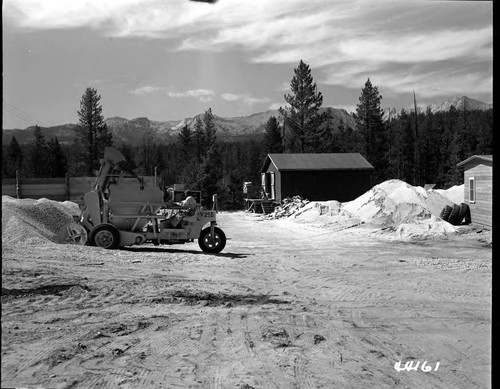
214	244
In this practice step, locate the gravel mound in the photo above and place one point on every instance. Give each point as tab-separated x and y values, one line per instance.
453	263
34	221
394	206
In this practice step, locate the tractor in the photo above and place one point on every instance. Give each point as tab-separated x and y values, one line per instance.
122	210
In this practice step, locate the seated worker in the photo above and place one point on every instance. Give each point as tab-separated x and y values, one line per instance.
189	202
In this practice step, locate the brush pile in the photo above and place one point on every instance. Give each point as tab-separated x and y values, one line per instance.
288	207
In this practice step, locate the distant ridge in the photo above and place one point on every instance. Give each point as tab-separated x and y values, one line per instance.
458	103
135	131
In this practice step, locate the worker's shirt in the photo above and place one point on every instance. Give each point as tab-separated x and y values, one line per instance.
189	203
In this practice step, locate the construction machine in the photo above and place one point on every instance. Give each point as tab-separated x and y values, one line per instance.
123	210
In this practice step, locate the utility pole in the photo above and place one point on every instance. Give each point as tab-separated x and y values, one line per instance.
416	169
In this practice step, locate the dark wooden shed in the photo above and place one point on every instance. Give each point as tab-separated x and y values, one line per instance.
478	188
327	176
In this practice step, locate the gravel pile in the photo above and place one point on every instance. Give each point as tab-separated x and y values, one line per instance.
34	221
452	263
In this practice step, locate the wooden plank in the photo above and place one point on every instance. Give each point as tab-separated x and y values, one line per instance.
9	190
41	181
32	191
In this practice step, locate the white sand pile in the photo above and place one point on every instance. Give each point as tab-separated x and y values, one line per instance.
395	202
394	205
454	194
34	221
327	213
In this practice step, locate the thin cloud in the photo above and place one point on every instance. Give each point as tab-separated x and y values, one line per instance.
246	99
145	90
204	95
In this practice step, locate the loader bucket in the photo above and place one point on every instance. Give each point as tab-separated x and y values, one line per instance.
72	233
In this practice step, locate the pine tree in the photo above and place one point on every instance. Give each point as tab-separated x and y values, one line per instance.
210	175
126	150
408	148
302	117
273	140
369	120
93	131
147	154
210	130
40	154
199	139
58	164
13	159
185	143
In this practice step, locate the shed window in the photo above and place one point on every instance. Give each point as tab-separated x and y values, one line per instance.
472	190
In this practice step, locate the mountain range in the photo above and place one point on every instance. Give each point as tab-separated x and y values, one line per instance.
135	131
458	103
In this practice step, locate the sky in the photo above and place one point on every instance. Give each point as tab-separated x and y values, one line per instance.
174	59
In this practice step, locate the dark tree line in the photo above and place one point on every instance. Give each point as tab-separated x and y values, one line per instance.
444	139
40	159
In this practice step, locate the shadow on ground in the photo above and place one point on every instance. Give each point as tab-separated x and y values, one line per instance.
173	251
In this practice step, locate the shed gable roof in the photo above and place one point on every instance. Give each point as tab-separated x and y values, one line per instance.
476	158
322	161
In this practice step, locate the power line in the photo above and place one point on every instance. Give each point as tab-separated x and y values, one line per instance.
20	114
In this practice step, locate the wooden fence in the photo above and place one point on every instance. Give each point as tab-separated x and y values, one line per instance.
59	189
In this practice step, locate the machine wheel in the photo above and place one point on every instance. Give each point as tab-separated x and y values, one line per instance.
445	213
105	236
212	246
464	213
72	233
453	219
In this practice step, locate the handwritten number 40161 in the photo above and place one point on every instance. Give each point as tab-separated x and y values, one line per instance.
409	366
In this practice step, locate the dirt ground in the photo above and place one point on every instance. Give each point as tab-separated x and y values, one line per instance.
285	305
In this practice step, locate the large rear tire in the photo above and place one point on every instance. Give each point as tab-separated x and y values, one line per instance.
464	213
453	219
105	236
445	213
215	245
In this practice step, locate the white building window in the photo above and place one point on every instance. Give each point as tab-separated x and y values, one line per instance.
472	190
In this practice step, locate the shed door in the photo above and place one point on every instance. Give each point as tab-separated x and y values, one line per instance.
268	185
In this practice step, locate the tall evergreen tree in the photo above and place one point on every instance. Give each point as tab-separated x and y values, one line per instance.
58	164
13	159
127	152
302	117
210	130
210	175
185	142
273	140
148	149
39	157
199	139
93	131
408	145
369	120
